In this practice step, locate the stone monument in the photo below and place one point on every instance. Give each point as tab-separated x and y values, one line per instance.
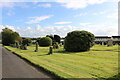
109	42
36	47
50	51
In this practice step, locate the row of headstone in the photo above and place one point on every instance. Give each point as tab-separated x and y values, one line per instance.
55	46
24	47
17	45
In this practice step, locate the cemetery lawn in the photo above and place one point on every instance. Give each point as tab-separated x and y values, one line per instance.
100	62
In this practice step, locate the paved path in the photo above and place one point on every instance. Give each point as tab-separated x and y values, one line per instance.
14	67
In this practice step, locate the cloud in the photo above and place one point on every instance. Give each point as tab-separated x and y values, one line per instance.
7	4
40	31
75	4
45	5
81	14
7	26
38	19
11	5
113	15
84	24
102	30
62	22
10	13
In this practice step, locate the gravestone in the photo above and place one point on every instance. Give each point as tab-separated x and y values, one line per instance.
17	45
36	47
50	51
55	46
23	47
60	44
109	42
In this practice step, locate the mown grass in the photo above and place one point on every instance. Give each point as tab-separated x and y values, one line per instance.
100	62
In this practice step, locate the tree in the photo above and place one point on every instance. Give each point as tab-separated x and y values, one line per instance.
26	41
57	38
79	41
9	36
51	36
45	41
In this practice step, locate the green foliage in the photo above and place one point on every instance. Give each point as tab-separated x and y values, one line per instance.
57	38
51	36
45	41
26	41
79	41
9	36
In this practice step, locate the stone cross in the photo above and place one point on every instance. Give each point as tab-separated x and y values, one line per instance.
36	47
25	47
109	42
50	51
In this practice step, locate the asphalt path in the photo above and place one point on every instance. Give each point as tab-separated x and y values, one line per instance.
15	67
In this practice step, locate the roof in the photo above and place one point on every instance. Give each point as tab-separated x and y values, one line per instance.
102	37
116	36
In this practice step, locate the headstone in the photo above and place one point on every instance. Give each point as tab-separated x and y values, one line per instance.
60	44
54	46
102	43
25	47
17	45
50	51
36	47
57	46
109	42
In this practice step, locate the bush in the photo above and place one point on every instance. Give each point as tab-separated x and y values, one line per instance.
26	42
79	41
9	36
45	41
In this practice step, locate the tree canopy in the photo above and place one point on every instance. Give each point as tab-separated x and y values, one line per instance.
9	36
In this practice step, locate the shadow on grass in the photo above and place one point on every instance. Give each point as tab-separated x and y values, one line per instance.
115	77
67	52
103	50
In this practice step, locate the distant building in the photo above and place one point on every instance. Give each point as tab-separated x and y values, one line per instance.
115	39
103	39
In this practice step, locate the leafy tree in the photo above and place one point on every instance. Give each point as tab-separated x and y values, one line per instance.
79	41
57	38
9	36
26	41
45	41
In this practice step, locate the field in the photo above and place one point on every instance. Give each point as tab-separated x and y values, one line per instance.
100	62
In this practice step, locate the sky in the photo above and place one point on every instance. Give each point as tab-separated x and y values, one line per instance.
35	18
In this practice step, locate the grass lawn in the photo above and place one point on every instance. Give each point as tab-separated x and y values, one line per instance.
99	62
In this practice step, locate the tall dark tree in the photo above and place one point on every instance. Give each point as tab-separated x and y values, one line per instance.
9	36
57	38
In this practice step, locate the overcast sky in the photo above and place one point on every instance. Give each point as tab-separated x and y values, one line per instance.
37	19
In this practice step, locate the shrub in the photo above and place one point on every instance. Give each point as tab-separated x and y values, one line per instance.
79	41
26	42
45	41
9	36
